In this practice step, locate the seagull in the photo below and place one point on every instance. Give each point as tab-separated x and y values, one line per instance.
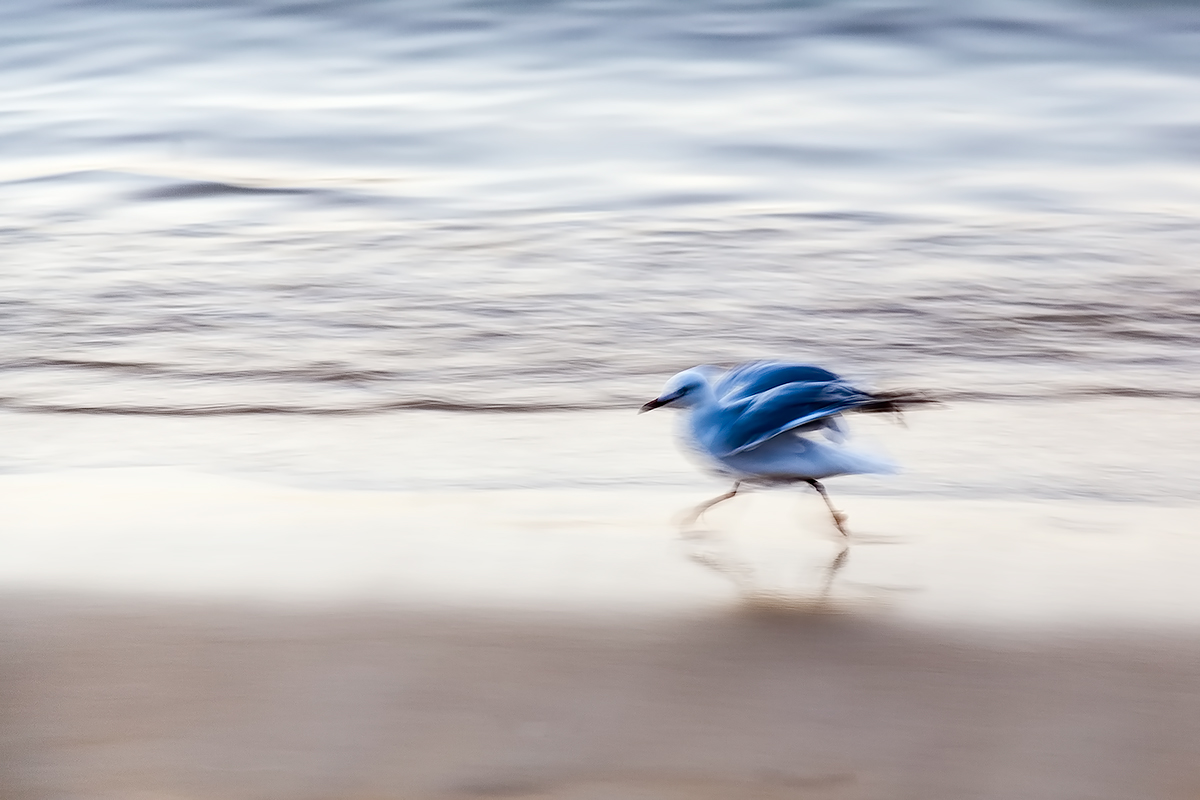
769	423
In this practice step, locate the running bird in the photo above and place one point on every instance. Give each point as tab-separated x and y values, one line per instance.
769	423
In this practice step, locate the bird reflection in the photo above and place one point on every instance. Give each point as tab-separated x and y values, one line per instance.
711	548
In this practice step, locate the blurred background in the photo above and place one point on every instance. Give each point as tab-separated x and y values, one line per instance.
303	212
269	268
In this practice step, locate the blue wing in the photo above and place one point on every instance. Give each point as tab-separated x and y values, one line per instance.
746	380
764	399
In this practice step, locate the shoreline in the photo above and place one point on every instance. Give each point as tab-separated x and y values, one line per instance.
994	563
1119	448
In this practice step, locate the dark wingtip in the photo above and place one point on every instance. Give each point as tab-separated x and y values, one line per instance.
897	402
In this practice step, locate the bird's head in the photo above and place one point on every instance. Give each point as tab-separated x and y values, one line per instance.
682	391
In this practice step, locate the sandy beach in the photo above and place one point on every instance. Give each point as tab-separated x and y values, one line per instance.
286	643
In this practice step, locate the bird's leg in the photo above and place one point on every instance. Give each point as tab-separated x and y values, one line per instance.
715	559
838	517
699	510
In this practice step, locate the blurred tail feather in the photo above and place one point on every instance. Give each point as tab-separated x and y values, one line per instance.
896	402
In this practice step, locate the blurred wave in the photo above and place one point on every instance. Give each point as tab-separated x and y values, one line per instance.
330	208
558	315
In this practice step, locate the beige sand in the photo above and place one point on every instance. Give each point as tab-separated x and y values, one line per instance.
174	636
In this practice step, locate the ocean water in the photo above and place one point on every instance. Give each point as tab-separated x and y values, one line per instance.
322	221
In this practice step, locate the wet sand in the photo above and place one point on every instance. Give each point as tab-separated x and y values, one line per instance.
969	650
229	702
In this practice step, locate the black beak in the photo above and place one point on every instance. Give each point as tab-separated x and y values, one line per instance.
653	404
659	402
